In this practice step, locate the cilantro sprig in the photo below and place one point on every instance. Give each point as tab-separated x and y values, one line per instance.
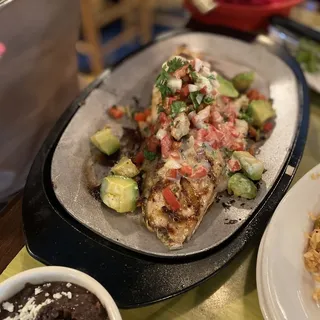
162	79
196	98
175	64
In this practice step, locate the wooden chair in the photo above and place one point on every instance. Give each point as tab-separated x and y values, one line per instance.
137	17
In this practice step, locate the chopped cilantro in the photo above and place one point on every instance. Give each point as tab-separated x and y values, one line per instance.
211	77
246	116
193	76
193	97
175	64
161	84
208	100
177	107
160	108
149	155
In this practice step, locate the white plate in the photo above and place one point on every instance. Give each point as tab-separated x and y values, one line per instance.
266	312
284	284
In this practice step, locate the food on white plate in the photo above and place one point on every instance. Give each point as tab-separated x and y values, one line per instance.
199	138
312	255
53	300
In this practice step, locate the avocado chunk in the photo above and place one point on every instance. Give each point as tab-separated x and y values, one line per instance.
241	186
125	167
119	193
243	81
261	111
252	167
105	141
226	88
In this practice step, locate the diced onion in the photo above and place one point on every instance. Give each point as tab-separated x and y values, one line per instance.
203	114
172	164
161	134
174	84
207	165
197	64
192	88
199	98
205	71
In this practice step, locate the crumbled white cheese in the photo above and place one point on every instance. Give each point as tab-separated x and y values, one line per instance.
68	285
67	294
37	290
46	294
57	296
8	306
30	310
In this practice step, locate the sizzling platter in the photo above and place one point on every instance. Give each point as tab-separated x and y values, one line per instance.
134	78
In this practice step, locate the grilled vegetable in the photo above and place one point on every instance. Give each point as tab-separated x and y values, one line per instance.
119	193
125	167
241	186
252	167
105	141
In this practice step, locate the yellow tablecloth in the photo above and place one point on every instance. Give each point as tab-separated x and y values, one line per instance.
232	293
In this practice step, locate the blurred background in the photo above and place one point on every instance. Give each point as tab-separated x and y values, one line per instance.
112	29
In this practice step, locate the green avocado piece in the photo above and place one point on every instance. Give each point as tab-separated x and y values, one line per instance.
261	111
243	81
105	141
226	88
125	167
252	167
241	186
119	193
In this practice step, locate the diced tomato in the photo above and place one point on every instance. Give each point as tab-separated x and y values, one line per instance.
171	99
164	120
234	165
152	129
140	116
203	90
147	112
201	134
237	146
180	73
173	173
186	171
171	199
200	172
267	127
139	158
115	112
216	117
184	92
152	143
254	94
166	144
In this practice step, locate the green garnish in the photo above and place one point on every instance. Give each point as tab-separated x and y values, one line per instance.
194	98
149	155
160	108
247	116
161	84
193	76
211	77
177	107
208	100
175	64
227	152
